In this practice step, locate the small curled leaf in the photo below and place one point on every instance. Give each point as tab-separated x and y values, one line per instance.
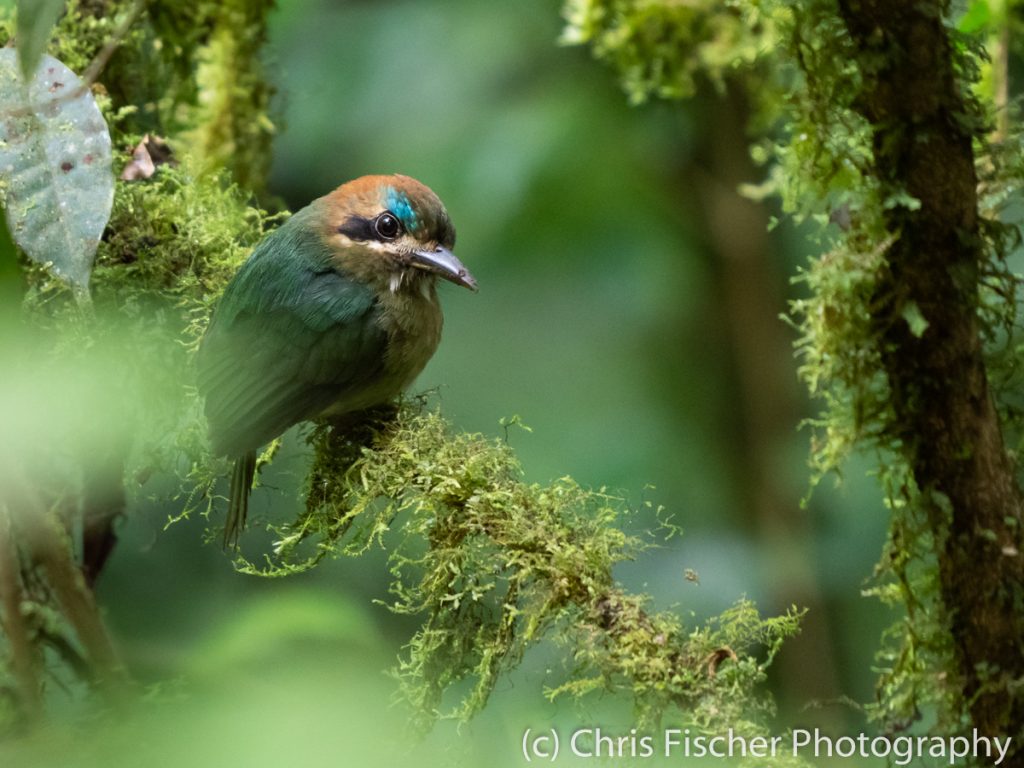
148	155
55	166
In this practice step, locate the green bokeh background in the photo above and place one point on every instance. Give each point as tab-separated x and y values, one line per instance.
629	312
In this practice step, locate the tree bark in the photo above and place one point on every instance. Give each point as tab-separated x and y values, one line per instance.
945	419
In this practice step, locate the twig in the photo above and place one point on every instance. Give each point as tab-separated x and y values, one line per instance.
12	598
101	59
76	599
49	547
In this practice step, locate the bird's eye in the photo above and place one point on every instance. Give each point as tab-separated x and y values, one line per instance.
387	226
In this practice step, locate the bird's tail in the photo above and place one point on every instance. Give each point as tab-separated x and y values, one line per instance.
238	500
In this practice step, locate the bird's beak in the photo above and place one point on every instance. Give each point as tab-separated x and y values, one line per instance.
444	263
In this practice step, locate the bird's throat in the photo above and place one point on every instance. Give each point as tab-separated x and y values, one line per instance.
411	317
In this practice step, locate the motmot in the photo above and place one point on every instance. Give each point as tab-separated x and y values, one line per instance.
334	312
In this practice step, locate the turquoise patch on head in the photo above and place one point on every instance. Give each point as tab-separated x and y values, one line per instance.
398	203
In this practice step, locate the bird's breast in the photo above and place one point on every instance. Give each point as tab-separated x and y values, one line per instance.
412	324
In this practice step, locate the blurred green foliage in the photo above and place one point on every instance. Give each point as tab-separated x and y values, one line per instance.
600	321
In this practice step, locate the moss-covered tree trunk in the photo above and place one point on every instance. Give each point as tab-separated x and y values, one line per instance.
948	426
883	126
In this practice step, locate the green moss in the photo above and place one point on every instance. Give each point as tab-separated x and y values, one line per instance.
178	238
232	129
661	48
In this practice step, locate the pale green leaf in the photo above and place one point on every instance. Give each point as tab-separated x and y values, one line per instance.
36	19
55	166
917	322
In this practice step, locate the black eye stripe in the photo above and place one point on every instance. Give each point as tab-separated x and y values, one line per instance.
358	228
384	227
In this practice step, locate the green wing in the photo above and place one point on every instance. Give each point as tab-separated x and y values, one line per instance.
291	335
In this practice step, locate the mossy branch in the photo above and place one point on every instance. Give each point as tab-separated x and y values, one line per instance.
493	564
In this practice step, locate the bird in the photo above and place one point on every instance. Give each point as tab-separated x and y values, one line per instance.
334	312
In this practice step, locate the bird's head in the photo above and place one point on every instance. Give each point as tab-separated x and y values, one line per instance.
393	231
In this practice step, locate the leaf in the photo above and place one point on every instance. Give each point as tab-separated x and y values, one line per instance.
55	166
901	199
141	165
917	322
36	19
